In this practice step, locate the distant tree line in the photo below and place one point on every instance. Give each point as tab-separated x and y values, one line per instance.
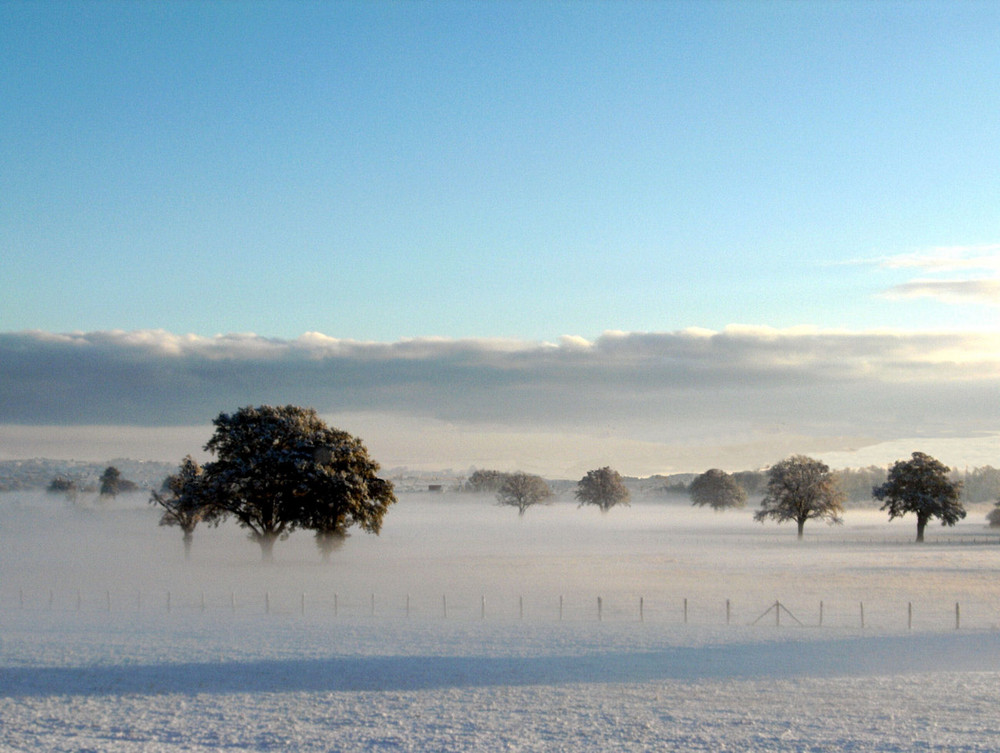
110	484
977	484
798	488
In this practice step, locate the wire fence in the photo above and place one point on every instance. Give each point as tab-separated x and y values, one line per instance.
875	615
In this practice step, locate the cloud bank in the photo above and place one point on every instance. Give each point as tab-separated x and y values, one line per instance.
632	393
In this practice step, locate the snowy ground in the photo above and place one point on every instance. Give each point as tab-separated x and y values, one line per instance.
446	633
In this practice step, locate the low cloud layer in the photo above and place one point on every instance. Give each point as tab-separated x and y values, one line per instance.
744	386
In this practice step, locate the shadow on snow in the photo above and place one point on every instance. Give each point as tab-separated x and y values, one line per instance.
851	656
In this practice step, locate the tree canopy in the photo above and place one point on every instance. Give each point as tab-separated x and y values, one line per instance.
921	485
602	487
801	488
281	468
716	489
522	490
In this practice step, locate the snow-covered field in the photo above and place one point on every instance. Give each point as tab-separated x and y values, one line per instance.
463	627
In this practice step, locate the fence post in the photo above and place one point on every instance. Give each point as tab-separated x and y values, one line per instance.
727	611
642	617
267	602
482	608
685	610
821	614
168	599
560	607
444	605
957	617
862	615
336	604
600	609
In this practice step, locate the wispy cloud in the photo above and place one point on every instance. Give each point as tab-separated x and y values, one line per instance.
961	274
982	258
949	291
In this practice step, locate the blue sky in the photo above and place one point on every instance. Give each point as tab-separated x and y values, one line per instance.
529	170
477	170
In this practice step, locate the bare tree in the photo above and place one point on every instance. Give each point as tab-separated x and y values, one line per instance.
522	490
800	488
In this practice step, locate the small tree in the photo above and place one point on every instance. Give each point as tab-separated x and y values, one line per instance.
603	487
800	488
185	502
522	490
485	481
716	489
993	516
63	485
280	468
921	485
111	482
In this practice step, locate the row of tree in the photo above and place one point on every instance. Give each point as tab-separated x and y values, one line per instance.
801	488
278	469
797	489
603	488
978	484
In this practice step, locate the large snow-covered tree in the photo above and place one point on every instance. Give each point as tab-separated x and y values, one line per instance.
716	489
184	501
801	488
921	485
602	487
282	468
522	490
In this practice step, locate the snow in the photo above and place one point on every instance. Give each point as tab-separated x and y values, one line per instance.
445	633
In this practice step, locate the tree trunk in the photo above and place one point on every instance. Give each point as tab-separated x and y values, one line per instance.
328	542
802	525
188	539
266	541
921	525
